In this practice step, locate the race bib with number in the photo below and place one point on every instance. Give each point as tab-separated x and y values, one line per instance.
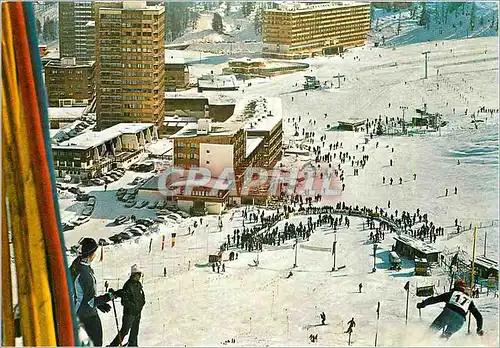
460	300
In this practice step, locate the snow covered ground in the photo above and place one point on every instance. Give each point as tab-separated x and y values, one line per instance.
257	306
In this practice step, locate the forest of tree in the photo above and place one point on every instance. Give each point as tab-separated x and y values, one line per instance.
179	17
49	31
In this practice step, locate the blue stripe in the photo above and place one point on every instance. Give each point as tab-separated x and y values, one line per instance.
36	64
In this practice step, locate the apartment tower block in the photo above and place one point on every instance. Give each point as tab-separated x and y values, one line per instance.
130	64
299	30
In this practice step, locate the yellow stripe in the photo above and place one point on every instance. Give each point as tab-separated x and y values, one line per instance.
35	299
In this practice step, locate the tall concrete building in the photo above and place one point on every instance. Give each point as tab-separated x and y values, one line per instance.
299	30
76	36
130	64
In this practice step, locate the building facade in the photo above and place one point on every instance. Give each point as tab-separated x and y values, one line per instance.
75	38
298	30
93	154
176	76
69	83
130	64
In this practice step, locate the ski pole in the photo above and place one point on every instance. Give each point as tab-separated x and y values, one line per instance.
420	314
117	326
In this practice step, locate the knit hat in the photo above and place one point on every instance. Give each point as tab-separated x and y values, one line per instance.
135	269
87	247
460	285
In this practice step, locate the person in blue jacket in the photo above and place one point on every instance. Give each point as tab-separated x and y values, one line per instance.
453	316
85	285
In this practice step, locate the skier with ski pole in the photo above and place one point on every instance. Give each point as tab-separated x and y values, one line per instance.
133	301
453	316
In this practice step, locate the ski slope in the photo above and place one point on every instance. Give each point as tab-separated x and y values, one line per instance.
257	306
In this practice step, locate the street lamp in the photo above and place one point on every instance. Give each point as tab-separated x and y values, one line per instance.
403	108
374	257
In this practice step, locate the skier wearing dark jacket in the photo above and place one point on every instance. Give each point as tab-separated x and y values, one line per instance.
86	301
132	301
458	303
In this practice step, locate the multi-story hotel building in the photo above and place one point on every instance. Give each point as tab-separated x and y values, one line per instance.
75	37
298	30
69	83
130	64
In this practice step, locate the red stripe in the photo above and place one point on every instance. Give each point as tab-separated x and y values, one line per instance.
54	249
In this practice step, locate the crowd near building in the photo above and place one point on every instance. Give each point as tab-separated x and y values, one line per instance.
300	30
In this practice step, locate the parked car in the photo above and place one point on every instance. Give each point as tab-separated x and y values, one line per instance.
141	204
75	190
82	219
159	219
133	191
161	204
82	197
108	179
117	238
152	204
138	180
145	221
120	170
87	211
91	202
61	186
174	217
97	182
183	214
121	219
135	231
130	204
162	212
115	176
142	227
66	226
126	235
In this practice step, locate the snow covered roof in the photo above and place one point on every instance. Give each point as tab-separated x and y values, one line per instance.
216	129
92	139
248	60
218	82
259	114
213	99
55	113
160	147
252	144
417	244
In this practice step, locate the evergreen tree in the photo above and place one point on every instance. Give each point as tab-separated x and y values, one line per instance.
38	26
424	16
259	17
217	23
472	17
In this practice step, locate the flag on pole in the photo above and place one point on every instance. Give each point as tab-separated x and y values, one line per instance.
173	239
150	244
407	286
163	242
378	310
102	254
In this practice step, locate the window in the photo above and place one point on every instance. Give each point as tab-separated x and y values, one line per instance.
208	151
193	156
193	145
180	144
180	155
208	162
